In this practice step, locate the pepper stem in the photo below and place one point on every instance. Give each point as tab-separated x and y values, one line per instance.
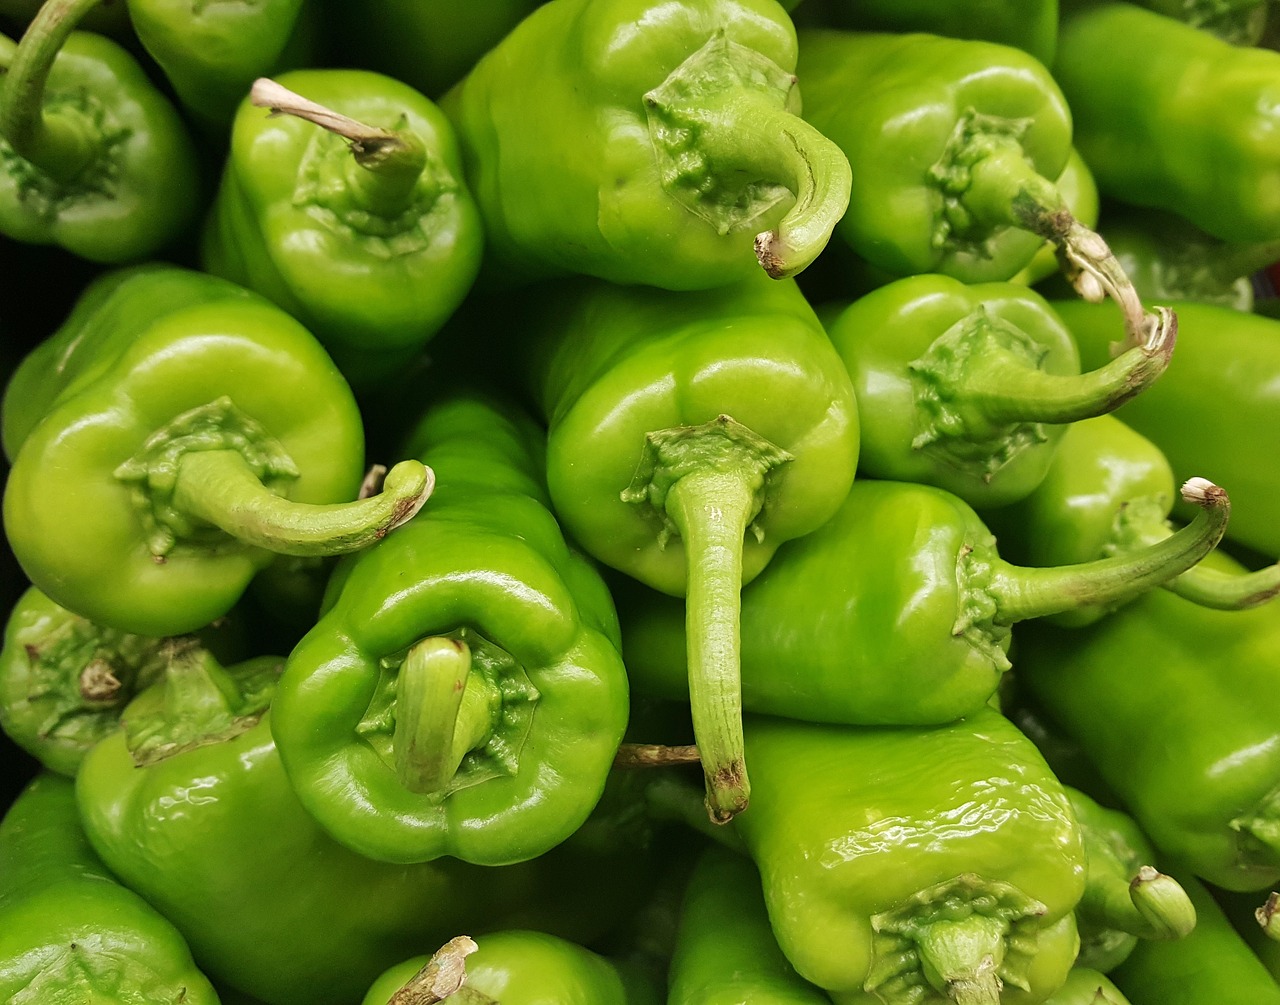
654	755
439	716
442	976
961	959
61	143
220	487
1021	593
1150	906
1268	916
391	162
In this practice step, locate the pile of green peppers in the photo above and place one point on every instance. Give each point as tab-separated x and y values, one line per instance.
611	502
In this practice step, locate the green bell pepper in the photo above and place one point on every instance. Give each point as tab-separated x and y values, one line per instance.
725	950
213	835
70	934
93	157
518	968
1109	489
463	693
168	439
1087	987
956	142
1125	897
362	230
894	612
690	436
910	866
971	387
1191	127
1173	704
661	141
1223	356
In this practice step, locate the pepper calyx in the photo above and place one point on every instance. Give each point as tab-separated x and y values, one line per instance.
1258	830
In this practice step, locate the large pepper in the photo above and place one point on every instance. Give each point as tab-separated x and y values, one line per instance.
956	142
1223	356
93	157
896	611
1174	705
69	932
660	142
463	693
210	832
1191	127
971	387
690	436
168	439
362	230
911	866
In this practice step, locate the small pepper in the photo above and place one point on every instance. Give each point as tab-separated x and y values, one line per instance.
92	156
348	210
971	387
690	435
168	439
896	611
462	693
662	142
69	932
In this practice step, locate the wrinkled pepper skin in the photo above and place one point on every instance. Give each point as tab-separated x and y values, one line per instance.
486	564
110	173
1172	703
1190	128
176	405
662	142
726	952
274	907
371	259
1223	355
527	968
877	846
971	387
69	932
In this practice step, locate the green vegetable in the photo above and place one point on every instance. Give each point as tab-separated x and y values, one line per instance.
661	142
69	932
1087	987
362	230
168	439
93	157
1240	22
690	436
971	387
462	693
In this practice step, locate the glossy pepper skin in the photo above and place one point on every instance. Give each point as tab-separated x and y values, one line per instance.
372	249
662	143
895	612
524	968
95	158
514	763
69	932
725	951
1171	702
971	387
1189	128
689	436
168	438
915	865
274	907
1223	355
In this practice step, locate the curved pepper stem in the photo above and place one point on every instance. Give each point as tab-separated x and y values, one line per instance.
442	976
1021	593
61	145
1151	905
961	959
220	487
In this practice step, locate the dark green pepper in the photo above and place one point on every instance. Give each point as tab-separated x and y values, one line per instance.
662	142
463	693
92	156
168	439
362	230
910	866
69	932
896	611
691	435
971	387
